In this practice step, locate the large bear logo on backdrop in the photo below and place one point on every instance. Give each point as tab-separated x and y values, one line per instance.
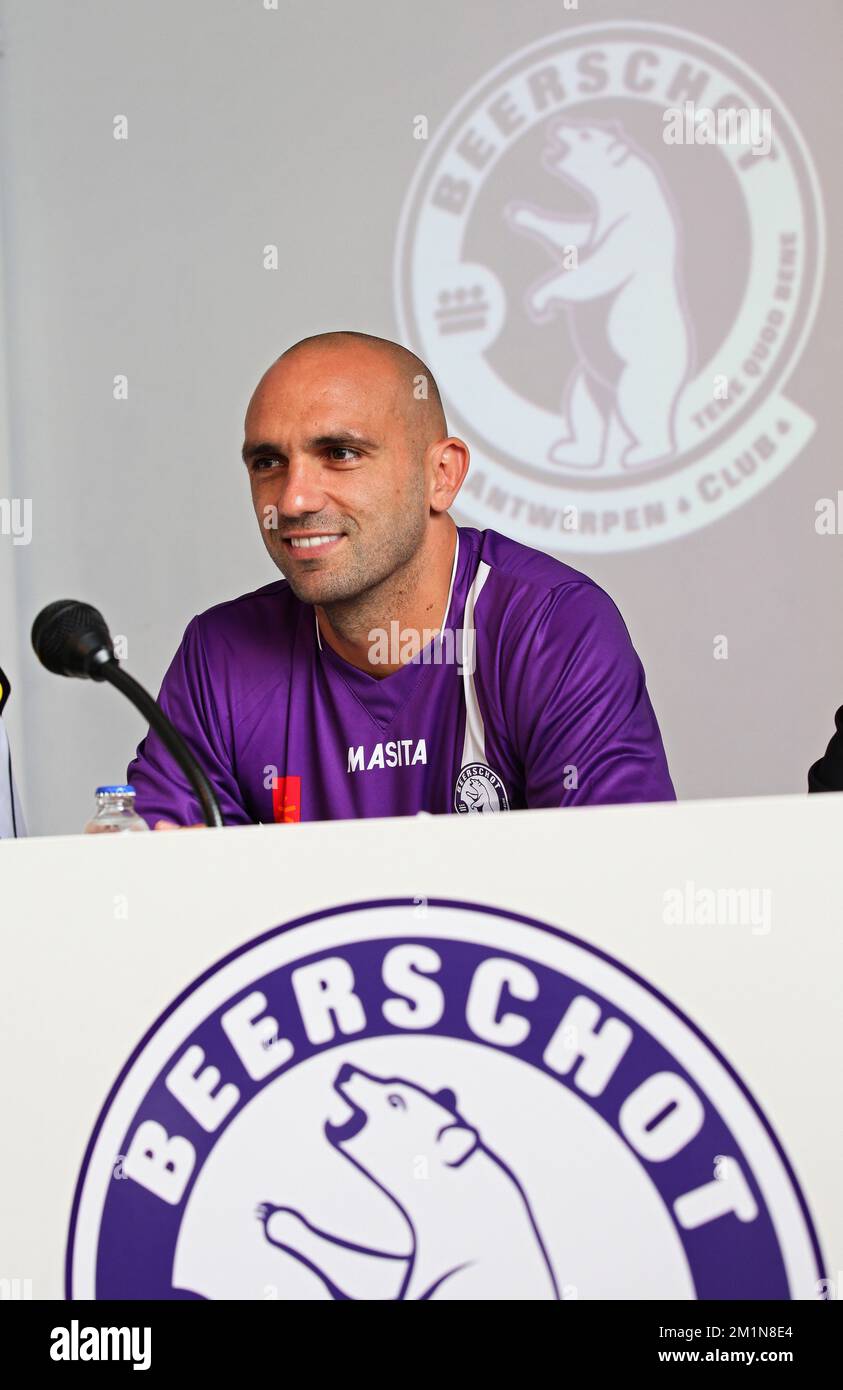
415	1100
612	312
623	299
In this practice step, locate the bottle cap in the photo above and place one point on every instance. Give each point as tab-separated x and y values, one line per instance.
125	790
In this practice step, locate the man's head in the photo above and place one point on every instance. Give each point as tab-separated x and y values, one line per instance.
346	439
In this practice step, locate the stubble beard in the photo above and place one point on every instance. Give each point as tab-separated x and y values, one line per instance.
375	578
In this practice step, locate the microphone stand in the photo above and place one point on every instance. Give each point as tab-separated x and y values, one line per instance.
112	672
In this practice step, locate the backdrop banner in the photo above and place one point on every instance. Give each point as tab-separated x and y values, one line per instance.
603	226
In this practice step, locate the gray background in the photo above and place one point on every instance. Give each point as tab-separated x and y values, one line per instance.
249	127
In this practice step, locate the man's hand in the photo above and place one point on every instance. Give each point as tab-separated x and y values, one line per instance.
171	825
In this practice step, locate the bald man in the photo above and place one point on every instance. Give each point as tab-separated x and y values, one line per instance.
403	664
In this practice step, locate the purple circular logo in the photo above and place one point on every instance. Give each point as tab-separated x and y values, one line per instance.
416	1099
478	789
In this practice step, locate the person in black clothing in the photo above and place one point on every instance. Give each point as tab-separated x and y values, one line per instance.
826	775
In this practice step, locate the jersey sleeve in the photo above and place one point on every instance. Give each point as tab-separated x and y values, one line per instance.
186	697
588	733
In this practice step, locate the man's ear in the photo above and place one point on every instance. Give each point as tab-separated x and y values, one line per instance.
448	459
455	1143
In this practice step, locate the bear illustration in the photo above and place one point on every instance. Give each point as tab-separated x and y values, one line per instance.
471	1231
623	299
478	795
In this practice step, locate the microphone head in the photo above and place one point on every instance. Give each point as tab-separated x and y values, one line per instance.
72	639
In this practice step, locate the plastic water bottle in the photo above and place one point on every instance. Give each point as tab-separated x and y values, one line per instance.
115	812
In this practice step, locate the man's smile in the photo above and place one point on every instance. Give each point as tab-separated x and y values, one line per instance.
308	544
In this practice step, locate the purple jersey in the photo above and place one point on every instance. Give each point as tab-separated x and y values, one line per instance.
532	695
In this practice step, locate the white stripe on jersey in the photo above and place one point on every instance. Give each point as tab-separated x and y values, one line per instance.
474	746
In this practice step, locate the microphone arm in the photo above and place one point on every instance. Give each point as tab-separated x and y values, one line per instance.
174	743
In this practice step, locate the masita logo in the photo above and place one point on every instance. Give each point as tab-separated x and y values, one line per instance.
424	1099
612	311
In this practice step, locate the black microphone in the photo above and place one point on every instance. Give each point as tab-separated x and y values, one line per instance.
72	639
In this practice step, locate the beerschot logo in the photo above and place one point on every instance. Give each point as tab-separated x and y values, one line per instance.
478	789
635	394
428	1099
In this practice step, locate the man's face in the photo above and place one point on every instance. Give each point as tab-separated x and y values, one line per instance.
336	470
